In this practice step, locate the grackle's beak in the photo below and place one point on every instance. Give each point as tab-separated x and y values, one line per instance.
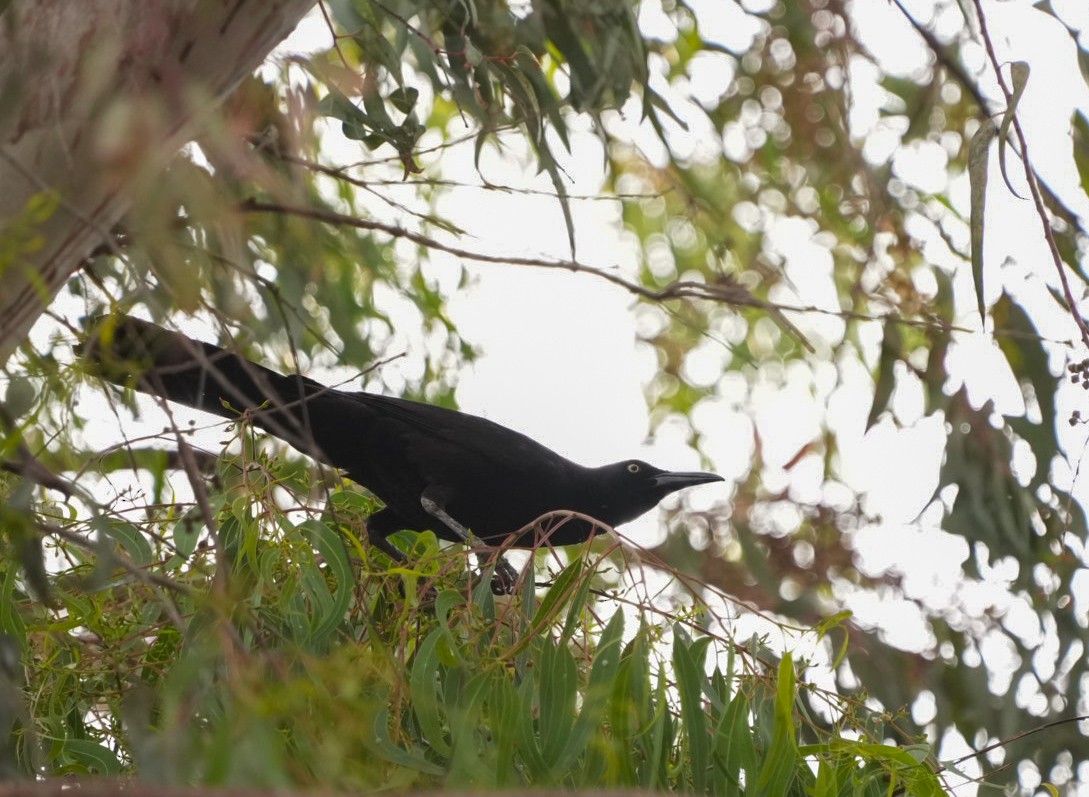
679	480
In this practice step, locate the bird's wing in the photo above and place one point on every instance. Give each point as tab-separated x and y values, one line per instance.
475	436
491	479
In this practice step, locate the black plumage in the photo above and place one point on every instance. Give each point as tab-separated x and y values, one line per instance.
434	468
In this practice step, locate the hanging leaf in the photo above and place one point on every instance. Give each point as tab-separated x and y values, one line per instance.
1020	74
977	179
404	100
891	346
1079	129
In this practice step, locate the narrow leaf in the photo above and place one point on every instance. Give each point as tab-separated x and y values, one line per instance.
93	756
734	742
977	180
891	352
331	547
1079	130
689	679
1020	74
466	711
132	540
381	744
558	694
422	683
528	741
781	757
565	585
1028	360
503	708
602	674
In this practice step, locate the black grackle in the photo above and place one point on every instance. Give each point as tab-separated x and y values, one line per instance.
461	476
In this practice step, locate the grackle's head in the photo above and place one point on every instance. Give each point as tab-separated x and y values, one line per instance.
625	490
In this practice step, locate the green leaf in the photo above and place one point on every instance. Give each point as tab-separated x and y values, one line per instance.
524	96
940	336
978	151
19	397
92	756
558	690
528	740
504	706
467	765
330	545
690	677
423	685
1024	351
549	165
450	651
734	745
377	49
404	100
781	757
657	770
131	540
358	124
891	353
563	587
1019	71
380	743
576	608
186	532
1079	129
11	621
595	696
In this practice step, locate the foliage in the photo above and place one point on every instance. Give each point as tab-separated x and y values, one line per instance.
778	227
265	661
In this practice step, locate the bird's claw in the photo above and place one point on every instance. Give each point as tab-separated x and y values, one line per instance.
505	577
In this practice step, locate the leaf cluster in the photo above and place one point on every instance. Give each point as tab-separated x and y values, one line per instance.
275	651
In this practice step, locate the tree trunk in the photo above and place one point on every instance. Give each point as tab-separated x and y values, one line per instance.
92	94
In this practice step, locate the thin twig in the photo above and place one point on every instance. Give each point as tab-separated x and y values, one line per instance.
945	58
1017	737
153	581
724	291
341	173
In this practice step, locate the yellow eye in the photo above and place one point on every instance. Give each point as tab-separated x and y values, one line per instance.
633	467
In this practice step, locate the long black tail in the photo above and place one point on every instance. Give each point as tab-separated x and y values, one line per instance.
157	361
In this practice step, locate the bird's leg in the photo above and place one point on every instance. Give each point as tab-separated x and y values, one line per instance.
382	543
432	508
505	576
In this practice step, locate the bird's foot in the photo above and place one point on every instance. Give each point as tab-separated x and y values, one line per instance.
504	577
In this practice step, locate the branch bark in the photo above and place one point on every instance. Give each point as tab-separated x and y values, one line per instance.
94	96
